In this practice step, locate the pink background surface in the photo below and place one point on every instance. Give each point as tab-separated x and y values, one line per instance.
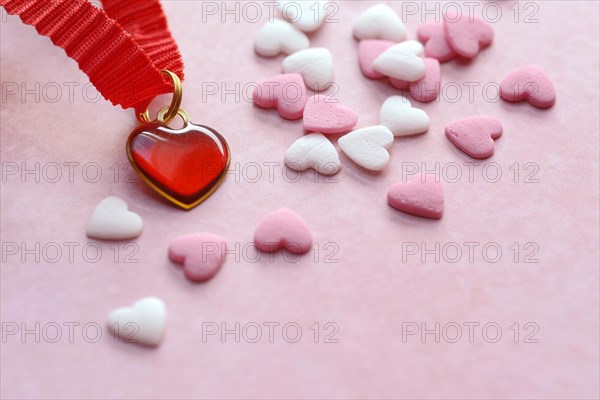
369	292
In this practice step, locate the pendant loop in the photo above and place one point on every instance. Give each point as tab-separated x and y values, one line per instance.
173	109
181	112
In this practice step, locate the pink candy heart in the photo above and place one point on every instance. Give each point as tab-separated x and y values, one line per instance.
467	34
433	36
422	196
323	114
368	51
475	135
286	92
283	229
425	90
428	88
529	83
201	254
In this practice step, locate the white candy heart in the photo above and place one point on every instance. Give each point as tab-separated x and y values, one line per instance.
308	16
313	151
401	118
143	323
315	65
368	147
278	36
379	22
111	220
402	61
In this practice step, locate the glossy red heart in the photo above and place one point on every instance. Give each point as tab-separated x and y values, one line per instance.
184	165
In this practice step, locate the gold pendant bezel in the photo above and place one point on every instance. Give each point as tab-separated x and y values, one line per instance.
159	190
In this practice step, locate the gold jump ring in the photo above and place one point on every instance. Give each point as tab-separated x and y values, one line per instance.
175	102
181	112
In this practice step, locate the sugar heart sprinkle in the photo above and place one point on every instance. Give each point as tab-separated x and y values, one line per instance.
111	220
143	323
200	254
475	135
324	114
313	151
422	196
283	229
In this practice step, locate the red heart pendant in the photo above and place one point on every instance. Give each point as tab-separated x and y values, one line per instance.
183	165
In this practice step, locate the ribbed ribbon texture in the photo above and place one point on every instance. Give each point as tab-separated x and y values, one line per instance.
121	48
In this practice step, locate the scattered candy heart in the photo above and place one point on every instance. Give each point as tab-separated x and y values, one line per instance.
368	51
368	147
111	220
201	254
379	29
433	36
283	229
401	118
402	61
285	92
379	22
277	37
422	196
467	34
323	114
529	83
313	151
426	89
475	135
143	323
315	65
308	16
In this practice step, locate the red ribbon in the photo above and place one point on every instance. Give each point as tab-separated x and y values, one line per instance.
121	48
